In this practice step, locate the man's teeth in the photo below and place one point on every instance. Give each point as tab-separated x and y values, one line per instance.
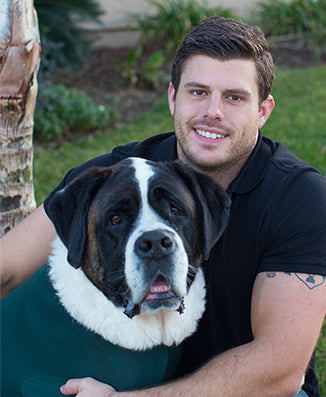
210	135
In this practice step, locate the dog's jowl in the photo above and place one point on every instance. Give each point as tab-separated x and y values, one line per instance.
126	269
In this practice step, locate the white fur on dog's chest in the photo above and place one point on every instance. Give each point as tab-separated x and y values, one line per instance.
86	304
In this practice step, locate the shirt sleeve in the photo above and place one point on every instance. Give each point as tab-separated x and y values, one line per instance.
294	232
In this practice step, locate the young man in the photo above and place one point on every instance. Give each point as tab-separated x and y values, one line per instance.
266	288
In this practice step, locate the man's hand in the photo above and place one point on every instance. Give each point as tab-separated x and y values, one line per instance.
87	387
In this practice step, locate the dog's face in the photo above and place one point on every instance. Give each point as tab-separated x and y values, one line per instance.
139	230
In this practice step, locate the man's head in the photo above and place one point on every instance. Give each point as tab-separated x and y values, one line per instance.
226	39
219	96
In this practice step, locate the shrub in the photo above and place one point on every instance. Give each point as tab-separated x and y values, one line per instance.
61	110
64	41
279	17
172	20
141	70
161	33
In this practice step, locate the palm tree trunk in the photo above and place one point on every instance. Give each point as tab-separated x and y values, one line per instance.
19	61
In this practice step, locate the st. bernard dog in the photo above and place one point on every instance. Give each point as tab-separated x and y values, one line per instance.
125	267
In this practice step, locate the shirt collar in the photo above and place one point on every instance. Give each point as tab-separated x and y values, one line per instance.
250	175
253	171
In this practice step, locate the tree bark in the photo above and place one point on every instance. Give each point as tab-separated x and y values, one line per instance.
19	61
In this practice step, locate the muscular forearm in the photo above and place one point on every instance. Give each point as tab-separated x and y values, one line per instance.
240	372
285	332
244	371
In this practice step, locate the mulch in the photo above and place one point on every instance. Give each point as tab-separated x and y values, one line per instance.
101	78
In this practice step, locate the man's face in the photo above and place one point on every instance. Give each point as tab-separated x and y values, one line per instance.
217	114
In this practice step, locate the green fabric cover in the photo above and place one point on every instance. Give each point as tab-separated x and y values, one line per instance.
42	347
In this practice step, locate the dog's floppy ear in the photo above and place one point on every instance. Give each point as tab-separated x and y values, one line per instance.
212	203
68	210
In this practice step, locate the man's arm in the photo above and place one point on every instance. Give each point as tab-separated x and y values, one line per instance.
287	315
24	249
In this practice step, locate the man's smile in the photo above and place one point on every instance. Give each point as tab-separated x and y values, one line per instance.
209	135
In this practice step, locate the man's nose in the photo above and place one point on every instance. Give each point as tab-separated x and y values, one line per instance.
215	107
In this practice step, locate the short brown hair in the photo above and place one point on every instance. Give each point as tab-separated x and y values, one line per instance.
226	39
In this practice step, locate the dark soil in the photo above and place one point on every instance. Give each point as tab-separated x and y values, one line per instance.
102	79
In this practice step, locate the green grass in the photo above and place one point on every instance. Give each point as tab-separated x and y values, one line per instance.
298	120
299	117
321	360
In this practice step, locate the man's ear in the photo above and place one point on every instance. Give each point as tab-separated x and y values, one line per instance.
212	204
266	109
171	97
68	210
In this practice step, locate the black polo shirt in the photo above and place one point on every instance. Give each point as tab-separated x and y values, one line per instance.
277	223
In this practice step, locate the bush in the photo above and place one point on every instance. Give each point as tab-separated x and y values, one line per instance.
144	70
161	34
280	17
172	20
64	42
61	110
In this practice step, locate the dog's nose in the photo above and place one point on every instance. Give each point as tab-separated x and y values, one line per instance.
155	244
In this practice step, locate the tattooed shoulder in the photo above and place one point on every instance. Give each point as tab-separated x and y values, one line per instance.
311	281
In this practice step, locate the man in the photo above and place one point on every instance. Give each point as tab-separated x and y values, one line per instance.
266	288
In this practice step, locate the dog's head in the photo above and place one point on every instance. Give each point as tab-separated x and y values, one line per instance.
139	230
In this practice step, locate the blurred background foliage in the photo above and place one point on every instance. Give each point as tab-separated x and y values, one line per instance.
66	45
64	42
279	17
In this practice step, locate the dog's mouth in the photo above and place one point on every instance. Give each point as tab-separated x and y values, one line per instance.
159	289
159	295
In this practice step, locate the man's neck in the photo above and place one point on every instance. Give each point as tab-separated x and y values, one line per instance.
223	175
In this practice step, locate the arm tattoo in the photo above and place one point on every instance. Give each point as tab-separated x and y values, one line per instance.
311	281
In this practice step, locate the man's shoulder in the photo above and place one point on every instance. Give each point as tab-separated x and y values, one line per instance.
272	165
294	190
159	147
285	165
287	161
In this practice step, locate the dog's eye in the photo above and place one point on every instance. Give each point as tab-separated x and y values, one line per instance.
175	210
115	220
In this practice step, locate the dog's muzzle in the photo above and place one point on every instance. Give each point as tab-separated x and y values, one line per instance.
155	252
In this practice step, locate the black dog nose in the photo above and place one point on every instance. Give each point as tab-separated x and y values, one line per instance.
155	244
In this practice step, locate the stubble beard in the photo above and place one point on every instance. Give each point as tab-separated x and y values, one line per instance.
231	164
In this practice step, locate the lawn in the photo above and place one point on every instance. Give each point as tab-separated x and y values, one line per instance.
298	120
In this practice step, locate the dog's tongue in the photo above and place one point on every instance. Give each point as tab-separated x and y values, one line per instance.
159	286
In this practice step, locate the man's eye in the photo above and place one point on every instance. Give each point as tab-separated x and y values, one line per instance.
198	92
115	220
235	98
